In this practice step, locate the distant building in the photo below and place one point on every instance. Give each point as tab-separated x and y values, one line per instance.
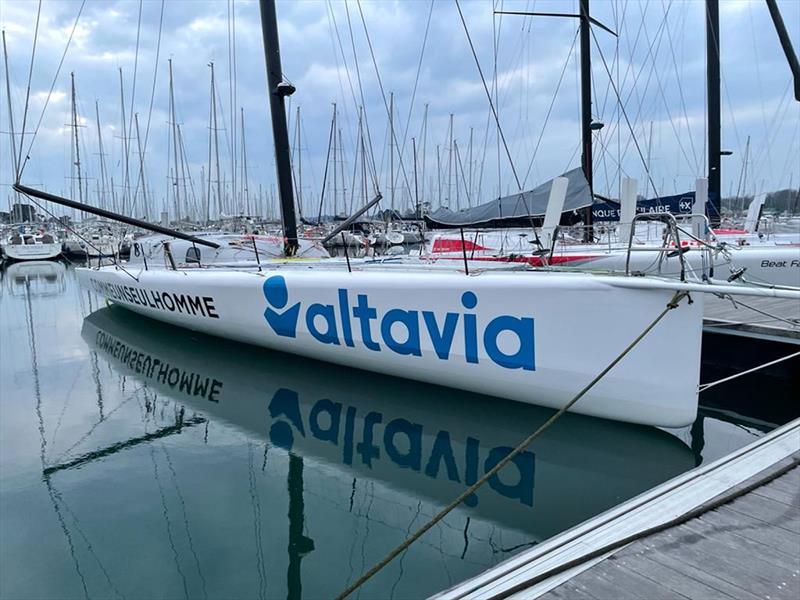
5	217
22	213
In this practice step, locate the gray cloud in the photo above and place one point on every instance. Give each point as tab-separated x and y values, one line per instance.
659	70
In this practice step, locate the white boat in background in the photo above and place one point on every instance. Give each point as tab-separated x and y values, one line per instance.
100	245
704	253
232	249
29	245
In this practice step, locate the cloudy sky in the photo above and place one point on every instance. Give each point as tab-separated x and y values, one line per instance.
657	65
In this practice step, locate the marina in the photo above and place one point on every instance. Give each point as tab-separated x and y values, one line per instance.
325	323
212	448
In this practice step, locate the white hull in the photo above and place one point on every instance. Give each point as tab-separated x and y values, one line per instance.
532	337
32	251
767	264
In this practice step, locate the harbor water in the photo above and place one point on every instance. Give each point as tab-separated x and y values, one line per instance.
141	460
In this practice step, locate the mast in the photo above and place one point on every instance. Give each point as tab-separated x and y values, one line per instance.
10	113
416	188
586	107
335	188
714	120
174	143
244	168
142	181
103	174
277	91
391	150
126	181
299	166
216	139
75	136
786	44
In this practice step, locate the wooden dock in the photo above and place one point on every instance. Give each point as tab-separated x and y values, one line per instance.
729	529
775	318
747	549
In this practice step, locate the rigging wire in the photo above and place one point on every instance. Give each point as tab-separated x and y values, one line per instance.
30	76
550	108
680	86
380	84
625	114
489	96
416	79
50	93
135	70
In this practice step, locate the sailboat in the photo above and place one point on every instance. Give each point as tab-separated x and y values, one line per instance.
27	244
735	255
532	336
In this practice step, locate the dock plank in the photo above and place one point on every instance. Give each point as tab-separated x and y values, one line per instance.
780	539
679	582
745	549
778	495
769	511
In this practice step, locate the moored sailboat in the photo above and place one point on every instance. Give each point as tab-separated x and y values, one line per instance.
532	336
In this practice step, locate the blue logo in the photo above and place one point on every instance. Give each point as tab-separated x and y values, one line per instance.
368	439
277	295
400	330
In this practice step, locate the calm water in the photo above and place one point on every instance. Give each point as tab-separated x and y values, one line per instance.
138	460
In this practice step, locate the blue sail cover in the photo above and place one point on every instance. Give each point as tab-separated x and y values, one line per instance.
679	204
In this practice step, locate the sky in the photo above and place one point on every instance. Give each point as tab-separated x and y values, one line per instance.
648	85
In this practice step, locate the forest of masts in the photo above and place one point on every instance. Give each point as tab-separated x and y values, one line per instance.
418	174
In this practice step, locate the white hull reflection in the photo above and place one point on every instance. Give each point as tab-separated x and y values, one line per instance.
431	442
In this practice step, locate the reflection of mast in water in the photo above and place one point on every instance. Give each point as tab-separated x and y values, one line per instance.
37	393
256	503
97	385
299	544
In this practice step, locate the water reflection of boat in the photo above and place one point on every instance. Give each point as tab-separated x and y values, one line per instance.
37	277
393	431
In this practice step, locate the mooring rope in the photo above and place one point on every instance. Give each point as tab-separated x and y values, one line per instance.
703	387
672	304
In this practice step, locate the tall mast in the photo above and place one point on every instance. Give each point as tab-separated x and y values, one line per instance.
714	120
299	165
786	44
391	149
335	188
277	91
126	181
216	139
341	169
246	186
450	167
586	105
15	164
142	180
173	121
75	136
103	174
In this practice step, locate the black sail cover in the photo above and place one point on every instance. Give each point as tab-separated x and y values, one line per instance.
516	209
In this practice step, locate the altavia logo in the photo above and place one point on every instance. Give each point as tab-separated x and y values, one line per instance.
402	331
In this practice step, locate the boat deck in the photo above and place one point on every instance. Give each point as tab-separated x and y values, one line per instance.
747	549
729	529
